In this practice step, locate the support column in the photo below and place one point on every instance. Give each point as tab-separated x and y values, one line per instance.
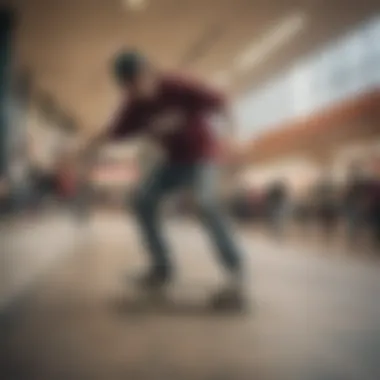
6	29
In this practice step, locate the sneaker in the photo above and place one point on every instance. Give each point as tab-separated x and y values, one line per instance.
154	280
230	298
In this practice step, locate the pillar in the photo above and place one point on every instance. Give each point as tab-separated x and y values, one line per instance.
6	28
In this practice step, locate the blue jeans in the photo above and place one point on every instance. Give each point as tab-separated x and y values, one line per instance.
168	178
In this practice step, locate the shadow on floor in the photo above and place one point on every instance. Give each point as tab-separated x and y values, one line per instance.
152	306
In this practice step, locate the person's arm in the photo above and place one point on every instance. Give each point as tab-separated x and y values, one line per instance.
210	100
120	127
199	95
90	145
219	105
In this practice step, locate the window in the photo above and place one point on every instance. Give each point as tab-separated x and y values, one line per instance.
372	61
344	67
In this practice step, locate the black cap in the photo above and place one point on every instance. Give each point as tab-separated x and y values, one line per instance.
127	65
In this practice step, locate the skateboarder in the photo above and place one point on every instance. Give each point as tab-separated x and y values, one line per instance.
176	113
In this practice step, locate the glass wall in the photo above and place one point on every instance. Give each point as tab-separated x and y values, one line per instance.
343	68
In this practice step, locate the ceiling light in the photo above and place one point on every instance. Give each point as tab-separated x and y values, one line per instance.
280	34
135	5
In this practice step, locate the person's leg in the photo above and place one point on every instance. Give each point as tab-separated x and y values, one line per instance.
159	182
206	196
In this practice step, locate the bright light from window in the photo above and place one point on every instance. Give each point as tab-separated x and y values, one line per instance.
281	34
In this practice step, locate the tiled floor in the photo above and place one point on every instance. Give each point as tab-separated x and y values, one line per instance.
312	317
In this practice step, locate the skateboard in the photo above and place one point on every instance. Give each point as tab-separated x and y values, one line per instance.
165	302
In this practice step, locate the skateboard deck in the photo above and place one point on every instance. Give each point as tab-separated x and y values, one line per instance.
183	302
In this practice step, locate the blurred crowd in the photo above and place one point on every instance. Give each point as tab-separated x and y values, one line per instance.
327	206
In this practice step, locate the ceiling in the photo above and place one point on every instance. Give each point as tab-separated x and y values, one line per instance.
67	44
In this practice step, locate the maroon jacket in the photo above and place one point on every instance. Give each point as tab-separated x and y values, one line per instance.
178	117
